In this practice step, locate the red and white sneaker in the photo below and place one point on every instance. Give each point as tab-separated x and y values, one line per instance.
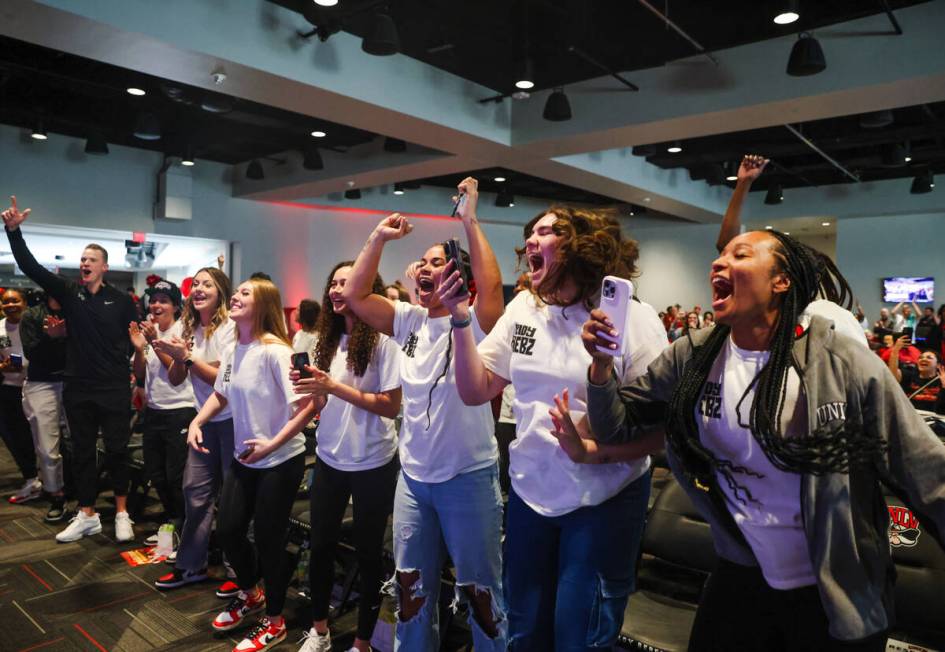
228	589
30	490
262	637
237	610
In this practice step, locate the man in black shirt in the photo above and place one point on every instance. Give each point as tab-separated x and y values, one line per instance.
97	389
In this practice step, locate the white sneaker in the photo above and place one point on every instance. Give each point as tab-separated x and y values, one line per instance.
80	526
312	641
151	540
123	530
30	490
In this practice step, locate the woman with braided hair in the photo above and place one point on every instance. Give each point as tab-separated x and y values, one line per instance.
781	439
447	499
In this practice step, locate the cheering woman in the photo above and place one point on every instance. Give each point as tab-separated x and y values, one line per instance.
780	436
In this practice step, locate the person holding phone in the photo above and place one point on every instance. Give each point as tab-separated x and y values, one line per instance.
170	408
447	499
354	380
269	449
14	427
574	529
96	389
207	335
781	441
43	333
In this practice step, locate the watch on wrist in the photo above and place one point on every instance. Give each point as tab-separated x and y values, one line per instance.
188	362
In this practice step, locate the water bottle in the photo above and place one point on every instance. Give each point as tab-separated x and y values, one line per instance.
165	542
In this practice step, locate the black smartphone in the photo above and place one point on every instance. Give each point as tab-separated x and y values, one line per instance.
299	360
16	360
246	452
907	331
452	249
459	200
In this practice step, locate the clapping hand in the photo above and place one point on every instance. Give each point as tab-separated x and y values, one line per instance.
173	347
54	327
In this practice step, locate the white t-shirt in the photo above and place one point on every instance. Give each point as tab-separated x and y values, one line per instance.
219	345
506	415
12	332
539	349
254	379
460	438
161	393
303	342
772	523
350	438
843	320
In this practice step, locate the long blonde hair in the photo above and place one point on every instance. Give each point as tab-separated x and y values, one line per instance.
268	319
190	318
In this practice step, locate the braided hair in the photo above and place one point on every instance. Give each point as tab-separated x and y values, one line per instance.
470	284
827	449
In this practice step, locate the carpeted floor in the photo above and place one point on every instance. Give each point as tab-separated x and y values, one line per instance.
85	596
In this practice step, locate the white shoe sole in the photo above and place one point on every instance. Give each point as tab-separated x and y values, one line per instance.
95	530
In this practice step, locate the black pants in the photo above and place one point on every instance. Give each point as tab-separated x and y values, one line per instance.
373	494
15	430
88	411
165	454
739	611
264	496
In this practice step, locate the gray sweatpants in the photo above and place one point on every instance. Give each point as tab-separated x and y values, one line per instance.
42	405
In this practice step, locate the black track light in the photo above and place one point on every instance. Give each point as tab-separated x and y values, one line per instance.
39	131
807	57
312	159
255	170
504	199
775	195
893	156
188	159
394	145
95	145
525	79
557	107
382	39
923	183
731	171
399	189
353	193
643	150
147	127
411	185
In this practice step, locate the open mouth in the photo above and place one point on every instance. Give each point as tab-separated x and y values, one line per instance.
426	284
721	291
86	272
535	262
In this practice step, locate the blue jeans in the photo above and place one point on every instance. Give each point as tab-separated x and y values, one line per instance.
568	578
461	517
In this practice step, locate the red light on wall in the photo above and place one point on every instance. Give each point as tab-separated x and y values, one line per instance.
138	236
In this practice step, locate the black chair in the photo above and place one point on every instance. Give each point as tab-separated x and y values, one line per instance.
677	558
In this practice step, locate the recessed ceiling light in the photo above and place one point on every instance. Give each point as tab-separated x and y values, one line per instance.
499	179
647	199
38	135
908	158
187	163
787	233
786	18
398	188
326	3
512	204
137	92
769	227
318	134
674	148
825	223
731	177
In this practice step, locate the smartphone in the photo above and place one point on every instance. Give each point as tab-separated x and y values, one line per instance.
16	360
907	331
299	360
246	452
452	249
460	201
615	296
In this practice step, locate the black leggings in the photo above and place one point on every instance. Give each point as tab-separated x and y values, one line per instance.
165	454
373	493
15	430
739	611
264	496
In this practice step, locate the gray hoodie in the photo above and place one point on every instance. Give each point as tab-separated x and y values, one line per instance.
844	515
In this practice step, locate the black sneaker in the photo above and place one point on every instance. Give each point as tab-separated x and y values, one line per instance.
57	510
178	577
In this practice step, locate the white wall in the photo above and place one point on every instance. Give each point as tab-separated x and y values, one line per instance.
297	246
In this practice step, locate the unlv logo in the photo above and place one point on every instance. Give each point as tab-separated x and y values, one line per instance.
903	527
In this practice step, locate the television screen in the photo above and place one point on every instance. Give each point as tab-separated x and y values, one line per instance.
920	289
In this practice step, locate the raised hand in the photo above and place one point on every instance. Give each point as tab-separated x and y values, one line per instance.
393	227
13	217
138	340
590	335
467	208
452	292
751	167
174	347
149	330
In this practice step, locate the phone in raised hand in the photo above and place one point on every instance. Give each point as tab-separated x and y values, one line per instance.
615	296
299	361
460	201
452	249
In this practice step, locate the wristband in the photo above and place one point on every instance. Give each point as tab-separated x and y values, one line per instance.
460	324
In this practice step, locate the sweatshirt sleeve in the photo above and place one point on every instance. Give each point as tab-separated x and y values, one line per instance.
31	331
54	284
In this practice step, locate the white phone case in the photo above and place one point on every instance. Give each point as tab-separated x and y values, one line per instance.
615	296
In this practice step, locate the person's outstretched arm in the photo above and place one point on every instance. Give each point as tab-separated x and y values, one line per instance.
750	169
54	284
489	300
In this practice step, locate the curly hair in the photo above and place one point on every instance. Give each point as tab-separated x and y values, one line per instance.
590	247
331	326
190	318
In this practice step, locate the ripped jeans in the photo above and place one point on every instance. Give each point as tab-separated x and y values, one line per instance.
462	518
568	578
